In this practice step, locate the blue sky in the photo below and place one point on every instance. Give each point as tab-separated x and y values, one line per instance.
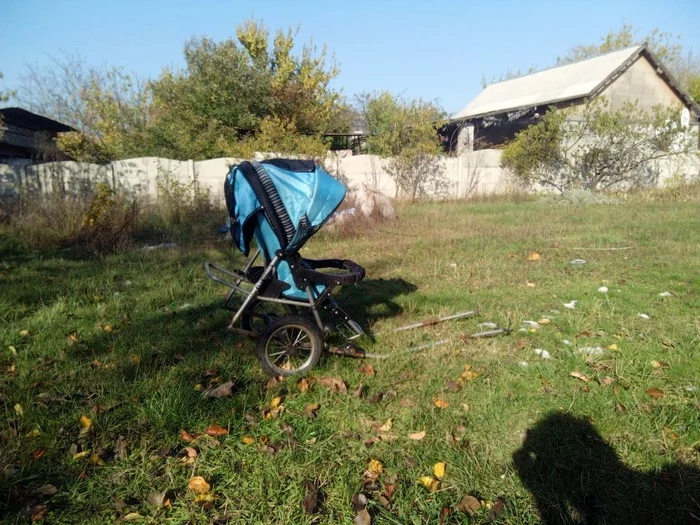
435	50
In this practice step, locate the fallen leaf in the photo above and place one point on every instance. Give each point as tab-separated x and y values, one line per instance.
248	440
534	256
366	369
287	428
376	397
658	364
371	441
468	374
545	320
198	485
156	498
417	436
469	504
334	384
430	483
186	436
359	391
311	499
132	516
452	386
19	410
311	410
497	508
444	513
190	452
619	407
362	518
439	470
273	413
24	333
72	338
607	380
386	427
579	375
440	403
223	390
80	455
656	393
359	502
273	382
46	490
375	466
303	384
520	344
277	401
612	347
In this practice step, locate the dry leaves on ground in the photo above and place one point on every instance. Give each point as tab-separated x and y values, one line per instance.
334	384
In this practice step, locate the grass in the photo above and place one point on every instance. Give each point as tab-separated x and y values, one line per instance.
524	437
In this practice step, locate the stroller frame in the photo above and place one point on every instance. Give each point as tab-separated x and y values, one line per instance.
288	335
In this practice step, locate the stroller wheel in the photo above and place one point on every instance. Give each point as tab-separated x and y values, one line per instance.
262	313
289	345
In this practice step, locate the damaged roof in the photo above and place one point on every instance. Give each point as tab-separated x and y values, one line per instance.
558	84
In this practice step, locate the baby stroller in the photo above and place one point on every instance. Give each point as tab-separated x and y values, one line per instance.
281	203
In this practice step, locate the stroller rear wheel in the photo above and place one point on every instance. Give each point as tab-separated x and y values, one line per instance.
262	313
289	345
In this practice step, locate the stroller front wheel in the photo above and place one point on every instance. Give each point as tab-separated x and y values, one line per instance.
289	345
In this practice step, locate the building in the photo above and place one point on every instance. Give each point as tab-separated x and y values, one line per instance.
504	108
26	135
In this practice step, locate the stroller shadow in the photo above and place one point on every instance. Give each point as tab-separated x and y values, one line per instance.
374	299
576	477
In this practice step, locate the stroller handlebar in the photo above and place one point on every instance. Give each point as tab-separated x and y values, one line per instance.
308	271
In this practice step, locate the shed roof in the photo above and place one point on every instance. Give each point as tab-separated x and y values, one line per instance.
559	84
32	121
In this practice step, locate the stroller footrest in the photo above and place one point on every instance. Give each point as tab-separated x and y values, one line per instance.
305	272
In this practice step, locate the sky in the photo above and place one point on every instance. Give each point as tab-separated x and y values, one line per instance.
429	49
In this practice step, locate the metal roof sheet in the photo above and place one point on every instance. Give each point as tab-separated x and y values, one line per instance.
550	85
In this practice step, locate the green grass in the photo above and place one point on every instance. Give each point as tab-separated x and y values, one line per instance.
140	382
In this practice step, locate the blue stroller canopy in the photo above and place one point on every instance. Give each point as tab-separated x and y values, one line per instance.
296	197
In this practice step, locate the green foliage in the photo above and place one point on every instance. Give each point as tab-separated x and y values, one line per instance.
597	149
665	46
406	132
279	137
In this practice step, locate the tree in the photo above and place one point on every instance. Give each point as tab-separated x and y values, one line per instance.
685	66
598	150
4	97
406	131
229	89
107	107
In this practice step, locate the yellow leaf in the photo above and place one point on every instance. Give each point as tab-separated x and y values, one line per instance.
534	256
80	455
24	333
417	436
204	498
135	359
248	440
439	469
85	422
198	485
19	410
544	320
276	402
12	350
430	483
97	460
375	466
132	516
440	403
386	427
32	433
613	347
579	375
108	328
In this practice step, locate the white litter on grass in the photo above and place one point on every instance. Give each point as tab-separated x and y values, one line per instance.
567	342
543	353
159	246
555	311
691	388
522	330
532	324
591	350
578	261
127	283
489	325
665	294
603	289
522	363
643	316
186	306
570	305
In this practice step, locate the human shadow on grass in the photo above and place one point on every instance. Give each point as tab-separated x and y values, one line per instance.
576	477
